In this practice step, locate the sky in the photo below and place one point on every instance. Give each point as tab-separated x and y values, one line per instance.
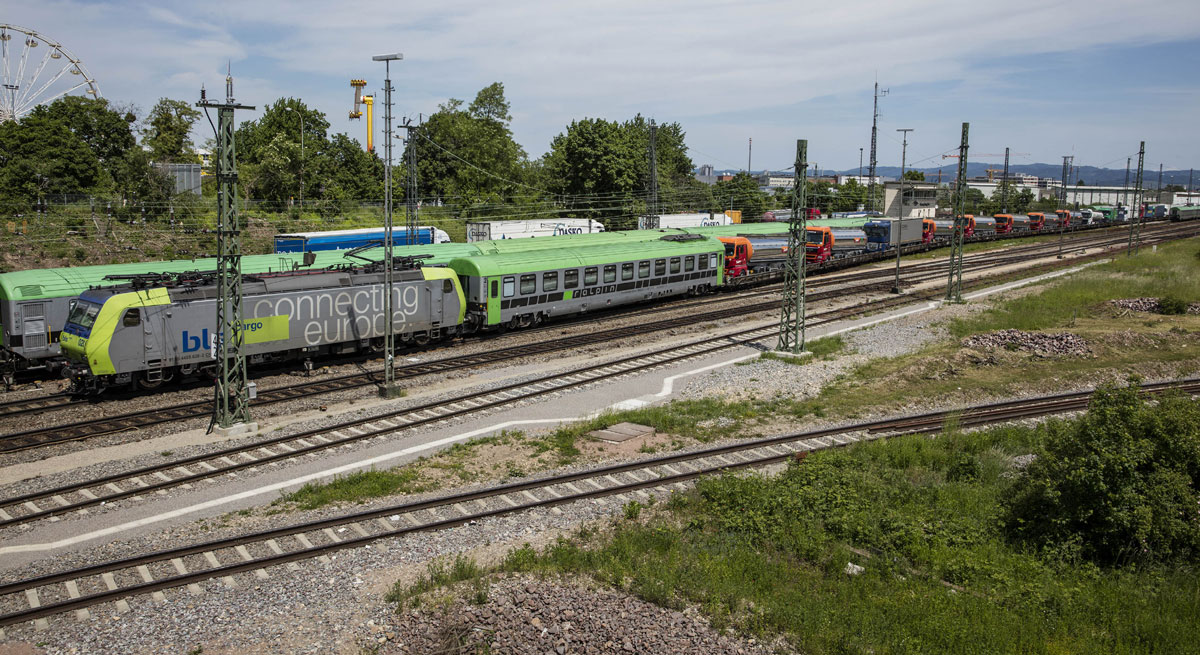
1089	79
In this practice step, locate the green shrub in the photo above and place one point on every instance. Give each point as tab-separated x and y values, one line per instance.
1119	485
1172	305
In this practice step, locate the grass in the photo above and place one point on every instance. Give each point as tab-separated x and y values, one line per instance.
356	487
768	556
823	348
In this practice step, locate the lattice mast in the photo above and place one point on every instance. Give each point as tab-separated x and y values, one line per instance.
652	155
954	283
1004	184
232	402
1062	202
1136	226
792	313
874	136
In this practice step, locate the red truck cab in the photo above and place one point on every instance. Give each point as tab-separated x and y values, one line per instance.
1064	215
1004	223
928	230
818	246
1037	221
738	252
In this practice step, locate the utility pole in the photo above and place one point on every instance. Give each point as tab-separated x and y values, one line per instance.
792	313
1062	202
1004	184
954	283
899	224
231	407
860	153
874	135
1158	195
411	199
749	154
389	390
652	155
1135	228
1189	186
1125	189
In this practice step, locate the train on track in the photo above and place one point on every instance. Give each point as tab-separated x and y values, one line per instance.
510	283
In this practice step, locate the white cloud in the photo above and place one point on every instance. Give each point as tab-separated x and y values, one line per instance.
721	65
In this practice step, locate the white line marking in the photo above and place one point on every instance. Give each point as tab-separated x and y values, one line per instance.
217	502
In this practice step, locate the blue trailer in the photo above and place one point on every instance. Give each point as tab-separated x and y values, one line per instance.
346	239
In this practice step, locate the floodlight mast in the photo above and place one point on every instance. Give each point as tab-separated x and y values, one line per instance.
389	389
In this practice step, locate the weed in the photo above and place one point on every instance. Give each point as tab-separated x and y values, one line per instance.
357	487
439	573
633	509
1172	305
166	453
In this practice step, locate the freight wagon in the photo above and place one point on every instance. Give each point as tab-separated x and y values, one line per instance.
524	229
347	239
666	221
883	233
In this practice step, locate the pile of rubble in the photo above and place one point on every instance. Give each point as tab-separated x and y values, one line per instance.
523	615
1038	343
1148	305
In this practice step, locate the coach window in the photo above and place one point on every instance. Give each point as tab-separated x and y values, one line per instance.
510	287
660	267
674	264
689	263
133	318
571	278
495	288
712	260
549	282
627	271
590	276
610	273
703	262
528	284
643	269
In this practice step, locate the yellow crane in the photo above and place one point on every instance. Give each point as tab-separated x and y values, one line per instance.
356	113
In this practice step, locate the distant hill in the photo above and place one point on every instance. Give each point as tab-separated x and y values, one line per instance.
1089	174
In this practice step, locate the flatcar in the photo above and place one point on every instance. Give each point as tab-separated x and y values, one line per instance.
347	239
825	243
145	334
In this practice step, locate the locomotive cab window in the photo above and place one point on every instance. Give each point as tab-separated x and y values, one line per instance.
571	278
660	267
510	287
643	269
627	271
549	282
689	263
675	264
447	286
528	284
590	276
132	318
610	273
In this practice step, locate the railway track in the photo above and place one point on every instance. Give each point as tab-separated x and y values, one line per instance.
160	477
116	581
40	437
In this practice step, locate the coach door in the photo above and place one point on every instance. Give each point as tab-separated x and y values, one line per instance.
137	320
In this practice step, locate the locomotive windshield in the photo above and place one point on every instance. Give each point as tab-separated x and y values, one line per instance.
84	314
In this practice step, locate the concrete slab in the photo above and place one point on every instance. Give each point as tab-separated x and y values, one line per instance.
622	432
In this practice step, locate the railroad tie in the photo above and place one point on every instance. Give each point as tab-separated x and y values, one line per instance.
144	571
5	516
111	583
357	527
192	588
332	537
324	559
274	546
31	507
387	527
510	501
261	574
461	510
73	592
62	502
412	520
31	595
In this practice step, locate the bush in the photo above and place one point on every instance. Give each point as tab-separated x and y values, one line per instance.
1119	485
1172	305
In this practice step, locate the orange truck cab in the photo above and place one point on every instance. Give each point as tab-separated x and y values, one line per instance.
818	246
1064	215
928	230
1037	221
1004	223
738	251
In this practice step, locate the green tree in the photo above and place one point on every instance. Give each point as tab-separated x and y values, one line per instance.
467	157
742	194
41	156
916	176
168	131
594	165
275	157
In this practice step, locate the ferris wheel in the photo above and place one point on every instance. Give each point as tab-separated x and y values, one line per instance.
37	71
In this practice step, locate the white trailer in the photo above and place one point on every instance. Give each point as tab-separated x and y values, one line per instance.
666	221
524	229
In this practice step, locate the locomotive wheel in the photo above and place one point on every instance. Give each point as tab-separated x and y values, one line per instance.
421	338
